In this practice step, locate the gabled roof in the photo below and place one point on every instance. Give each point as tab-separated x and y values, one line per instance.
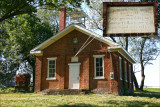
37	50
112	45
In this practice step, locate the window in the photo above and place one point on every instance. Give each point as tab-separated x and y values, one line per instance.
125	69
130	73
120	68
98	66
51	68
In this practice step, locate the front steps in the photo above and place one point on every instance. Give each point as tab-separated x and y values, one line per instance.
64	92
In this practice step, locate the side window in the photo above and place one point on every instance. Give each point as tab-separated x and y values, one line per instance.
125	69
51	68
120	68
130	76
98	65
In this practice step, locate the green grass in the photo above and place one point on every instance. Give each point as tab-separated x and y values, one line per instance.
150	97
152	89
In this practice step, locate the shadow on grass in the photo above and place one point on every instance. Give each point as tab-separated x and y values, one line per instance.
148	94
115	103
133	103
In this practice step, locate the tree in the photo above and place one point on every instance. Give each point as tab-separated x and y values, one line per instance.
144	50
22	34
49	16
96	16
11	8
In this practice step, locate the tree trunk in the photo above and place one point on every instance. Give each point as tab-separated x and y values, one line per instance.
135	82
126	44
141	62
142	76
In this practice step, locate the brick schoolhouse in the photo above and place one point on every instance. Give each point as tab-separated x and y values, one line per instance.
76	58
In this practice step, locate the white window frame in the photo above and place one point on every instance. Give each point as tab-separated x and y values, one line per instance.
130	73
120	68
98	56
51	59
125	68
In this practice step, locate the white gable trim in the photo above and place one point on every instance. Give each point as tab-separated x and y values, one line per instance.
37	53
112	45
68	30
123	52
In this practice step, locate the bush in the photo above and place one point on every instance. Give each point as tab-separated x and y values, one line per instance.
6	90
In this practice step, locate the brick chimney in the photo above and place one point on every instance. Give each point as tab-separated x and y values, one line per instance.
62	18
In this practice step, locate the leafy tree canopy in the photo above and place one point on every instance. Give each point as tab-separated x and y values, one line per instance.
18	37
11	8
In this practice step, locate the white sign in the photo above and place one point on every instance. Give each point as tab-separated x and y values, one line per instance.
133	19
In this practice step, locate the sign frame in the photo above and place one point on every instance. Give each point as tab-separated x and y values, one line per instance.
130	4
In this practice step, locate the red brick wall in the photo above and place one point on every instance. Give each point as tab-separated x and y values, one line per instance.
100	84
129	85
64	49
115	69
38	70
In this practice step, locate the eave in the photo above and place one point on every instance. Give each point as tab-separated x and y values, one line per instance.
123	52
37	53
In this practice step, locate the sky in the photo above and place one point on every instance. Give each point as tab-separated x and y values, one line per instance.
152	72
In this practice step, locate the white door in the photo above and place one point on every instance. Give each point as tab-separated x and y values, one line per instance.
74	69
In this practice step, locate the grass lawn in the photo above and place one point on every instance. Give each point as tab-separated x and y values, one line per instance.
150	97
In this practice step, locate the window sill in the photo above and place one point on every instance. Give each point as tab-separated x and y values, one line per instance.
98	78
51	78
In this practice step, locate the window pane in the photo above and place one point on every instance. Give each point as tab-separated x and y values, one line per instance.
100	61
52	66
97	65
101	73
50	70
97	73
97	69
101	69
52	75
97	60
51	62
54	70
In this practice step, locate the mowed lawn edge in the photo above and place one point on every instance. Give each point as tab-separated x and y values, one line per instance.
150	97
